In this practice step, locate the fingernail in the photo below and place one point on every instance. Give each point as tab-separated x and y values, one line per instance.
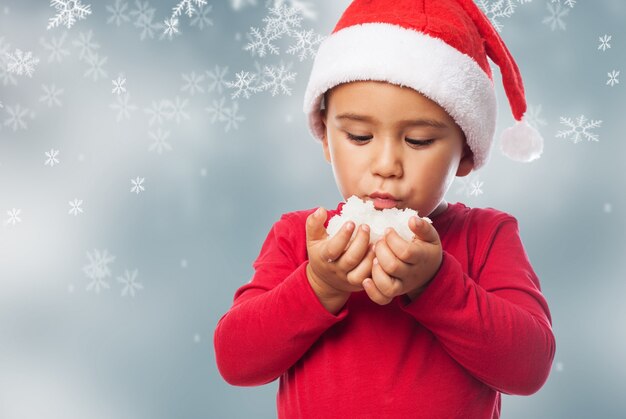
387	230
349	226
318	212
375	261
365	227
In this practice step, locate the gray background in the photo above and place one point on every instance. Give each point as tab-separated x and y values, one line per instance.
192	235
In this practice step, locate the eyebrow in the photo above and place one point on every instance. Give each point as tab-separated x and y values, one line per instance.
429	122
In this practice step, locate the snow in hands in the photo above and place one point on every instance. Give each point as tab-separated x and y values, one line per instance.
67	12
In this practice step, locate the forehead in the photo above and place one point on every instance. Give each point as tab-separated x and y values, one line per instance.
382	101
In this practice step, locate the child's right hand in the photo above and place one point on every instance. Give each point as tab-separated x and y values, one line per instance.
337	267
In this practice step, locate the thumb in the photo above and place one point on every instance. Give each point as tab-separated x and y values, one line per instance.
315	225
423	230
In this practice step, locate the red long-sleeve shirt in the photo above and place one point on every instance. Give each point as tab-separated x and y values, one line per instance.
480	328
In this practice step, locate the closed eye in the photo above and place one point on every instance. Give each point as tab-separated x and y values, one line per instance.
364	138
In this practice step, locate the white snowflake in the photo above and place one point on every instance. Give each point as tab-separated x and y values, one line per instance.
307	43
476	188
579	129
21	63
242	85
16	117
67	12
202	19
261	43
145	22
86	44
96	70
178	110
613	78
13	216
159	111
187	7
51	95
52	157
159	141
142	12
217	111
55	47
170	27
232	118
98	269
498	9
277	79
555	19
137	185
193	83
118	85
123	107
118	12
306	8
217	80
604	42
130	283
281	20
75	208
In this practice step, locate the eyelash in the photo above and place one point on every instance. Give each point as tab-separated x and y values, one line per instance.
419	143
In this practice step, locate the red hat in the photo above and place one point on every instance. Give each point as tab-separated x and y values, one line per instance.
440	49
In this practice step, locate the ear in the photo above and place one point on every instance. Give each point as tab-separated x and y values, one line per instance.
466	164
325	137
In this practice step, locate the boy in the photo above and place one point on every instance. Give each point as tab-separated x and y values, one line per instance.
437	327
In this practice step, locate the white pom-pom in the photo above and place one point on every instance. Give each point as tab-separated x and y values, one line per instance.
521	142
363	212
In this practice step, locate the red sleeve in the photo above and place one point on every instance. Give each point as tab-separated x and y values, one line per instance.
275	318
496	325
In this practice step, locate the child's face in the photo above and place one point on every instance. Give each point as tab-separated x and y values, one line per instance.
384	160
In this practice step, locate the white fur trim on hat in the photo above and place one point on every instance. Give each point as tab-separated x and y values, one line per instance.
386	52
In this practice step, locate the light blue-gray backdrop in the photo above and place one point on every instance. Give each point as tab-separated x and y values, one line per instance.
137	184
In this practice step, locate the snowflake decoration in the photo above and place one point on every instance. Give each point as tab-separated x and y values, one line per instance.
118	12
278	77
21	63
13	216
51	95
86	45
579	130
260	43
202	19
178	110
16	117
75	208
130	283
192	83
123	107
304	7
96	70
242	85
613	78
604	42
555	19
533	117
306	45
118	85
217	111
239	4
160	144
281	20
569	3
55	47
470	185
158	111
499	9
187	6
52	158
216	79
98	269
232	118
68	11
170	27
137	185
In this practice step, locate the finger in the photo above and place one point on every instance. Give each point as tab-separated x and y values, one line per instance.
363	270
388	285
423	230
402	249
357	249
336	245
373	292
390	262
315	225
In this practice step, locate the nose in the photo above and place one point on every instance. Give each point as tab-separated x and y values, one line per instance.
387	158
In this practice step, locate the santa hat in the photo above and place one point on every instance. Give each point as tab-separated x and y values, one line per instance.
440	49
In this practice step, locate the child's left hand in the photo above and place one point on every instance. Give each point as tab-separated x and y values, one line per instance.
403	267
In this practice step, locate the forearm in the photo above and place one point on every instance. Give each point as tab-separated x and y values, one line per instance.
499	337
261	337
